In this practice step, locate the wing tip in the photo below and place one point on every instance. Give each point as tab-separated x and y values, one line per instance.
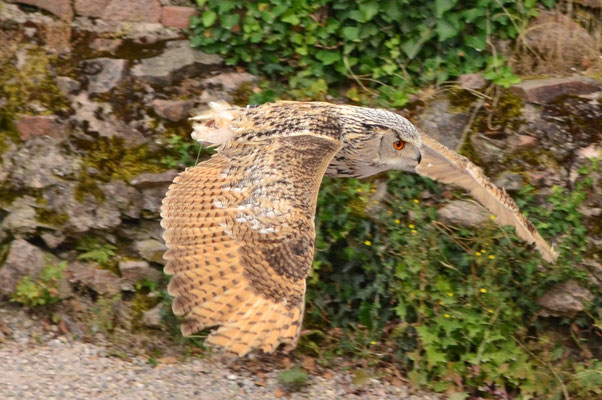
493	198
548	253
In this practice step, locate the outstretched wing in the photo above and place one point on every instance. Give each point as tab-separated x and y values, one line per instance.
239	229
447	166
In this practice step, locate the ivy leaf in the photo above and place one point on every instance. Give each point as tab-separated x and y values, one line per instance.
441	6
291	18
351	33
196	41
229	20
208	18
473	13
445	30
328	57
355	15
393	9
410	47
368	31
225	6
477	42
368	10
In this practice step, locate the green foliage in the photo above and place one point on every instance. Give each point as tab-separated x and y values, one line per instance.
183	152
96	250
293	378
456	306
391	45
145	299
588	379
42	290
146	285
105	314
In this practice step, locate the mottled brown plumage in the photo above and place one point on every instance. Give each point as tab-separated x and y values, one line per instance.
240	226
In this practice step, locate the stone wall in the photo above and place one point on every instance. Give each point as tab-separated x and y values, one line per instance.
94	100
172	14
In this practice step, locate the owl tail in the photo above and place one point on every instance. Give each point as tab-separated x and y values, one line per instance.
213	126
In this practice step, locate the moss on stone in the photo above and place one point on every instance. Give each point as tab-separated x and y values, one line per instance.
32	82
538	157
125	100
142	302
51	217
115	161
23	85
240	97
468	151
509	110
7	194
506	116
460	100
8	131
87	185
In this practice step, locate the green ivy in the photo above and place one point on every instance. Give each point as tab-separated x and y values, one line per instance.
392	45
183	152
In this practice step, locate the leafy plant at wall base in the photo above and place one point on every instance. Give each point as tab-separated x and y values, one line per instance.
293	378
105	314
43	290
96	250
456	305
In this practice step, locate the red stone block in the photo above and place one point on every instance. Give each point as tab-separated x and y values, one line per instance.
30	126
543	91
60	8
177	17
90	8
133	11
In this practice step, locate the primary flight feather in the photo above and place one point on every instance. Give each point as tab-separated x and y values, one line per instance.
239	227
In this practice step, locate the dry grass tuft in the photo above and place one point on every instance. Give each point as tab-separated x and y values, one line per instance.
563	41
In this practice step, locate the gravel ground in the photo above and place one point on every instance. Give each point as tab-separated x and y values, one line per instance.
45	364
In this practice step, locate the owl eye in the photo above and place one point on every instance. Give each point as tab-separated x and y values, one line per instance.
399	144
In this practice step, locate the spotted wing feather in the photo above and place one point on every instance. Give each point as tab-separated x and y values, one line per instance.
240	235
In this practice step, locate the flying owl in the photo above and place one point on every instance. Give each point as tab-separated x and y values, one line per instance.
239	227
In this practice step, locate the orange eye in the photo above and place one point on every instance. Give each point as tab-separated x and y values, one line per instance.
399	144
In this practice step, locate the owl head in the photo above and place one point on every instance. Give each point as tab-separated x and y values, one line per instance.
375	141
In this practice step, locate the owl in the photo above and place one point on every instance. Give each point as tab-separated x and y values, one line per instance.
239	227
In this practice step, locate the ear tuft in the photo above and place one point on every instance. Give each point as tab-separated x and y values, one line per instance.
213	126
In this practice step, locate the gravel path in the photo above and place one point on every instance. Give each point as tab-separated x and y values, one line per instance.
36	365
